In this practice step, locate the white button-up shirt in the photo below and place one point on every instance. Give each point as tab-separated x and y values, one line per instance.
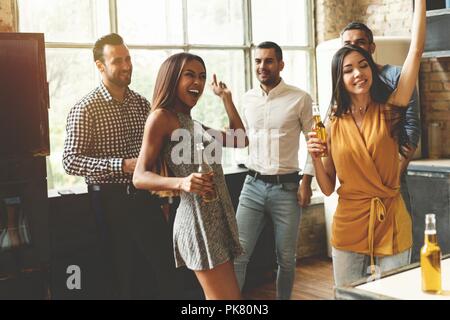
274	122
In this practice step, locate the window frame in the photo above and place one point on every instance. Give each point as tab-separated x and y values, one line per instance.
247	47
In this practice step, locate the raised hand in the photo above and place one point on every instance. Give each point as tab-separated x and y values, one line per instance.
220	89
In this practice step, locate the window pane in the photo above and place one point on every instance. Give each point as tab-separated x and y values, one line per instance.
150	22
228	65
296	69
215	22
71	74
277	20
146	65
65	21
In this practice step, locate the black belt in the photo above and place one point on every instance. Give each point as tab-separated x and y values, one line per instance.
276	179
124	188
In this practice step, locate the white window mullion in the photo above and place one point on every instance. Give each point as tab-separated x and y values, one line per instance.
312	51
248	39
113	16
185	25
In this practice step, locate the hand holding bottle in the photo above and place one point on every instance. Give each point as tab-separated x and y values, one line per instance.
207	173
316	146
199	183
319	128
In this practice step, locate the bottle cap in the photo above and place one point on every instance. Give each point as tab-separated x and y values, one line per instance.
430	223
430	218
316	109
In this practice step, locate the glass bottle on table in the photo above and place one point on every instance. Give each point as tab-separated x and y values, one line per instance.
430	258
205	168
319	127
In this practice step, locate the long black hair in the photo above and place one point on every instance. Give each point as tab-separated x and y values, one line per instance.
380	92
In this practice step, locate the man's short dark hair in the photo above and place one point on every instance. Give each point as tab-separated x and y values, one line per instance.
111	39
271	45
359	26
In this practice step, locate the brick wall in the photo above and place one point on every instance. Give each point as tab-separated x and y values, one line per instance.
7	22
435	100
384	17
331	16
312	237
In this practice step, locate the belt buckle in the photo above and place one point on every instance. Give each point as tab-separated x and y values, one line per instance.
130	190
96	187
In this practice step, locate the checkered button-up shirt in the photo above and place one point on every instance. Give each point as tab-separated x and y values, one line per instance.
101	132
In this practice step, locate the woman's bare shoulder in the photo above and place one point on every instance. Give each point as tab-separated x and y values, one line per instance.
163	120
168	116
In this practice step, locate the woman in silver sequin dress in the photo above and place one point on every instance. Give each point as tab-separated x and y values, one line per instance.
205	233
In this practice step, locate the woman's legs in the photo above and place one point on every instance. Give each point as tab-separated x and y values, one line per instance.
348	266
220	282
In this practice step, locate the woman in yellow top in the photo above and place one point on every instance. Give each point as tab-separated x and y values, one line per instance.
371	225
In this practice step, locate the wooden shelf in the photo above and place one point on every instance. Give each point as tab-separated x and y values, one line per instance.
439	12
436	54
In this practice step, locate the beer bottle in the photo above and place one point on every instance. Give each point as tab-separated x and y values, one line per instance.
430	257
319	128
205	168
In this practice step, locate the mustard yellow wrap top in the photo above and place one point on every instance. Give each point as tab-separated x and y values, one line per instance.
371	217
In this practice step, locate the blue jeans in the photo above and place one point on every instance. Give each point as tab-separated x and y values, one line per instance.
349	266
259	201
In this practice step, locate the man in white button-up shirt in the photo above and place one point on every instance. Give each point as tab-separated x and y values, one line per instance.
274	115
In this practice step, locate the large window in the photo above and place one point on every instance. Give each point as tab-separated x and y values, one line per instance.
223	32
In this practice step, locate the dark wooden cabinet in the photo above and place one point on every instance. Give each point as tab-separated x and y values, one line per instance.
24	98
24	142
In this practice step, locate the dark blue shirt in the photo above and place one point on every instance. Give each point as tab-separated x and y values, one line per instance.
391	75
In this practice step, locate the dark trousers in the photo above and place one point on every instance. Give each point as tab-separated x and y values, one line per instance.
136	244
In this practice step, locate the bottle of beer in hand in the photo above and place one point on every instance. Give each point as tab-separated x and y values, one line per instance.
430	258
319	128
205	169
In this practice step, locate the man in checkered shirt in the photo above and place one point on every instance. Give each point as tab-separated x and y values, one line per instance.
104	136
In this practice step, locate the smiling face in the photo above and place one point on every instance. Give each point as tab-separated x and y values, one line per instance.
191	83
268	67
117	67
357	74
